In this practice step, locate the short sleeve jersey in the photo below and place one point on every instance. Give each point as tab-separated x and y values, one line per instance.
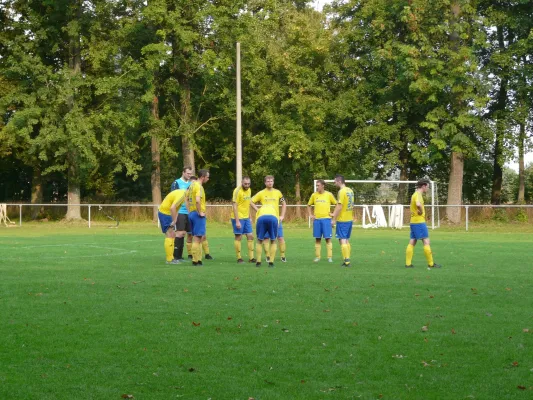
269	200
184	185
345	197
196	190
415	218
322	203
242	198
175	197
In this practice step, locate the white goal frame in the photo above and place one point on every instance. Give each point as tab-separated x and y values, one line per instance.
432	185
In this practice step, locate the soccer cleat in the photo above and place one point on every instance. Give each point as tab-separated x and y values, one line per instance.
435	265
258	264
181	259
252	260
330	259
268	259
317	259
197	264
409	266
189	256
346	262
208	257
240	261
271	265
173	262
283	259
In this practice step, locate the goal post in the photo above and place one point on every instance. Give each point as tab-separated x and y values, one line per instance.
387	193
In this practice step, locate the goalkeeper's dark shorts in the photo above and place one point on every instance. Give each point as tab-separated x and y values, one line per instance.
183	224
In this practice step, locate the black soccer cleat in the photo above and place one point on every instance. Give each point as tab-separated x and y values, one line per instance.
252	260
258	264
208	257
283	259
271	265
435	265
268	259
197	264
409	266
240	261
346	262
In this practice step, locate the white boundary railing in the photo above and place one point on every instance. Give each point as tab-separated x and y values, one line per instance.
303	206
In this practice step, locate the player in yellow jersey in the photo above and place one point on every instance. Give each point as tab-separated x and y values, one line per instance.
343	216
322	200
268	219
168	216
419	229
242	225
197	216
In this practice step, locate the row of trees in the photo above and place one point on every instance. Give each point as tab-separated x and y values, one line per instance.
108	100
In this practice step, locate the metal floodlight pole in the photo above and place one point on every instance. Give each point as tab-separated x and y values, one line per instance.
239	132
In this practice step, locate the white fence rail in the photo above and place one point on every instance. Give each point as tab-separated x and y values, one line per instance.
222	212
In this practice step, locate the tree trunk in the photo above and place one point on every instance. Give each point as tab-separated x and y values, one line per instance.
521	166
74	197
156	163
455	188
36	192
186	126
403	187
298	196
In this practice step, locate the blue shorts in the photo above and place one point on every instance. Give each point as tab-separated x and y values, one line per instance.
322	227
280	231
197	224
246	226
344	230
165	221
419	231
266	227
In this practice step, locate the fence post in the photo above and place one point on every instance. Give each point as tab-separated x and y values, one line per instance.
466	218
20	214
89	216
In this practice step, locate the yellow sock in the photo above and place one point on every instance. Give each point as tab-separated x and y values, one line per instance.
189	248
196	251
282	248
345	251
317	250
409	254
169	248
349	249
267	248
205	246
258	251
237	244
250	249
429	255
272	252
329	248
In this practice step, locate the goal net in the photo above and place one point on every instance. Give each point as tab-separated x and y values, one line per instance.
386	203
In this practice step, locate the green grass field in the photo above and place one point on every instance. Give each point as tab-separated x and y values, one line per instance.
97	314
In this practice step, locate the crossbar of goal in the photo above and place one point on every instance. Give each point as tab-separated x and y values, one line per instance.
432	189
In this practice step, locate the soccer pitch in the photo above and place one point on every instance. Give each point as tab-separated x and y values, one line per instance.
97	314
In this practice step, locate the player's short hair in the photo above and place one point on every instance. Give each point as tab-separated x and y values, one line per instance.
202	173
422	182
340	178
193	178
186	168
321	181
269	177
246	178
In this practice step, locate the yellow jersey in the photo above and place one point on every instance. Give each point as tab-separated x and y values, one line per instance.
415	218
322	203
270	198
176	197
196	190
345	197
242	198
